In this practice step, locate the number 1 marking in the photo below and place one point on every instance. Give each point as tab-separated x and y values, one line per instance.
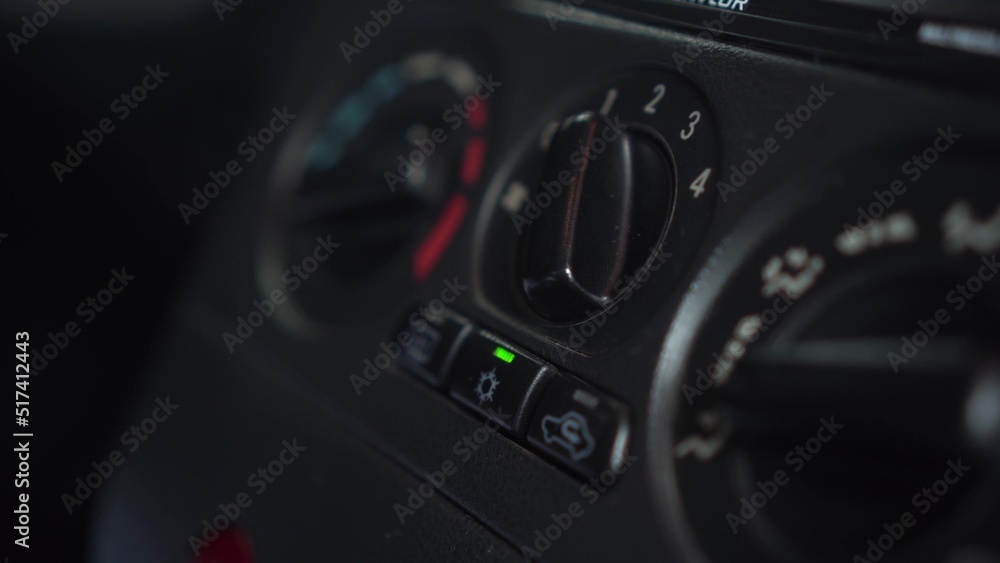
609	101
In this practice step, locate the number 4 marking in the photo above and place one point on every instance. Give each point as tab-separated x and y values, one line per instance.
698	185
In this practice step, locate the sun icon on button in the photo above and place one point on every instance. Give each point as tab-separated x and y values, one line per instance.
488	383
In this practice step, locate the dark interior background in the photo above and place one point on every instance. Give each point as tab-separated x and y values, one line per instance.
117	209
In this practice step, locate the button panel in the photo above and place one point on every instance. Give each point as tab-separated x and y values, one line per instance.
569	421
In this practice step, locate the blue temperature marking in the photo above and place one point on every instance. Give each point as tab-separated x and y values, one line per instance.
352	114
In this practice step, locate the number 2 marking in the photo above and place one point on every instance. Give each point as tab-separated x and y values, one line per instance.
658	93
695	117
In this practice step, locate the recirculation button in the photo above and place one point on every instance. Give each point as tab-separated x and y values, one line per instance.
580	427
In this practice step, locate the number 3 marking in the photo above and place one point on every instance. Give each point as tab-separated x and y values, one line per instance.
695	117
658	93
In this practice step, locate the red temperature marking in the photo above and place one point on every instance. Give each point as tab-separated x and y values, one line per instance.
472	162
433	247
478	117
232	546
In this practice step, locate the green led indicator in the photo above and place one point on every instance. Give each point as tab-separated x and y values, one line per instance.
505	355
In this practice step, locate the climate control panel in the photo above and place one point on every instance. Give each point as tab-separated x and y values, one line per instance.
751	259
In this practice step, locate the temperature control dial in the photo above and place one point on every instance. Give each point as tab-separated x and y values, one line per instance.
612	191
613	186
385	169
